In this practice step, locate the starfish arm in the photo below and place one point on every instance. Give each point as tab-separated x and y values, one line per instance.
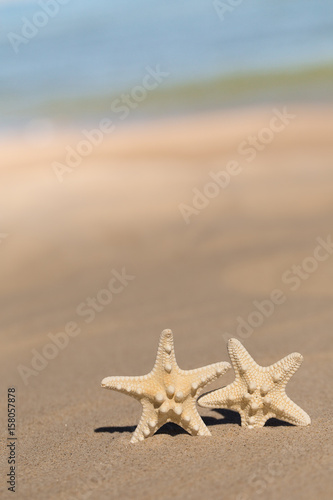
165	358
283	370
285	409
193	423
244	418
200	377
148	424
133	386
221	398
240	358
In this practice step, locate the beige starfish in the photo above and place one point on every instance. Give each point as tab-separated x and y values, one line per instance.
258	393
167	393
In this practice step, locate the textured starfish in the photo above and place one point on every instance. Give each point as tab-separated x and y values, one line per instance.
167	393
258	393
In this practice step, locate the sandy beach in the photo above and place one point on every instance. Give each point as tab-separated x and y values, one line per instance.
188	253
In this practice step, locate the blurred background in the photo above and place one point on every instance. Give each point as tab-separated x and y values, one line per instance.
114	116
77	56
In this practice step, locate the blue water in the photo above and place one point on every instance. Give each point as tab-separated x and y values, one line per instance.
91	52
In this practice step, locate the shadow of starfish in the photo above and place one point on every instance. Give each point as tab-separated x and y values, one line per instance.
171	429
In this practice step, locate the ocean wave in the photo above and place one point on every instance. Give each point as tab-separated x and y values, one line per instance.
310	83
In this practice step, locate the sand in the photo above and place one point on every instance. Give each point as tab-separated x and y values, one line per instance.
118	211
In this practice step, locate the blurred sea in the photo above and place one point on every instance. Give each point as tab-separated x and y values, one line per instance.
89	53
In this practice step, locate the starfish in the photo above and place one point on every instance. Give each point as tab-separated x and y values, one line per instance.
167	393
258	393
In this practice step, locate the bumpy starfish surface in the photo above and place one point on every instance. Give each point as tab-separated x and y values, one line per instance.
167	393
258	393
